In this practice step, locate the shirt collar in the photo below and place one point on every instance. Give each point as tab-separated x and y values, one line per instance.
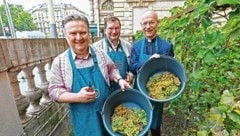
84	58
112	45
151	40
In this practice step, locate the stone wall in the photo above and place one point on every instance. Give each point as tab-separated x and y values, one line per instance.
21	112
52	121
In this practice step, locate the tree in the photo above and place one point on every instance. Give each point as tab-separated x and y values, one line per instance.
22	20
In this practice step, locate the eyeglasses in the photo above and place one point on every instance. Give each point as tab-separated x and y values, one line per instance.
150	23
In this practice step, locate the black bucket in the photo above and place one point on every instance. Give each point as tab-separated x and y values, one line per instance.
130	98
160	65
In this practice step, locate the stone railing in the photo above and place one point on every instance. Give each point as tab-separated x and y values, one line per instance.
25	106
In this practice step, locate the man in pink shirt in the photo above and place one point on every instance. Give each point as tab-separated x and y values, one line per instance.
81	77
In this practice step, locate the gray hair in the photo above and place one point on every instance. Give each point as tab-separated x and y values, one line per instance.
75	17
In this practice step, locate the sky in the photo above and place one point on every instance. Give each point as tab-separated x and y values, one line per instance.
28	4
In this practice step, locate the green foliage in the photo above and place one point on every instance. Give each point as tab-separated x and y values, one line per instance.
22	20
209	50
138	35
224	2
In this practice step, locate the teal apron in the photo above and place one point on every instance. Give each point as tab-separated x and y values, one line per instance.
120	60
86	117
157	107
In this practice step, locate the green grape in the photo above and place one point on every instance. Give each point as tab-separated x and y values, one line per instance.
128	122
162	86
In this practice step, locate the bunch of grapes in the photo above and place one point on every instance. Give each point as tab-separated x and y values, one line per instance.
163	85
128	122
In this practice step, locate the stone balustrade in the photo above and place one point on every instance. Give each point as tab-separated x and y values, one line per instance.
25	106
26	109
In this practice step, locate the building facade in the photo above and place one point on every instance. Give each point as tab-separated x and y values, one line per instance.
41	17
128	11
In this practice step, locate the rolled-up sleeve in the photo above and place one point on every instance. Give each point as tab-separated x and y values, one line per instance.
107	66
113	72
56	80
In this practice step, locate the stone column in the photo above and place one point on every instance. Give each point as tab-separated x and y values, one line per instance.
96	15
43	84
32	92
91	11
52	22
21	101
48	68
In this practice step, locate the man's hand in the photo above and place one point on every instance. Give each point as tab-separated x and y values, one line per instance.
155	56
123	84
129	77
87	94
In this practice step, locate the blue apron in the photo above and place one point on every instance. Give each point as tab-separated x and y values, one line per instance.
157	107
120	60
86	117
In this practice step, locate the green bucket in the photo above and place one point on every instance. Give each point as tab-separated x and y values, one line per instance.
160	65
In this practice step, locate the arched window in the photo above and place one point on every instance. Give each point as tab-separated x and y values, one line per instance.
107	5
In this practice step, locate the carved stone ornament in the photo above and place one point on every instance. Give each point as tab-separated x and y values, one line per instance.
107	5
140	1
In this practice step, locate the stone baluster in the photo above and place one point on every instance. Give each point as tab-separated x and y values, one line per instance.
32	92
22	102
48	68
43	84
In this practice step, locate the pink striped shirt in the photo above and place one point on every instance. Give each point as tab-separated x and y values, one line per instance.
60	80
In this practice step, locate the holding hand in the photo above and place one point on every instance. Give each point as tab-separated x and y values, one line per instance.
129	77
123	84
155	56
87	94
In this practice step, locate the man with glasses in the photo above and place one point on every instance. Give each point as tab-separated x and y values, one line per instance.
117	49
81	77
150	46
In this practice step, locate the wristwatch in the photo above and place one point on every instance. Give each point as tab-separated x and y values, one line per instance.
119	79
